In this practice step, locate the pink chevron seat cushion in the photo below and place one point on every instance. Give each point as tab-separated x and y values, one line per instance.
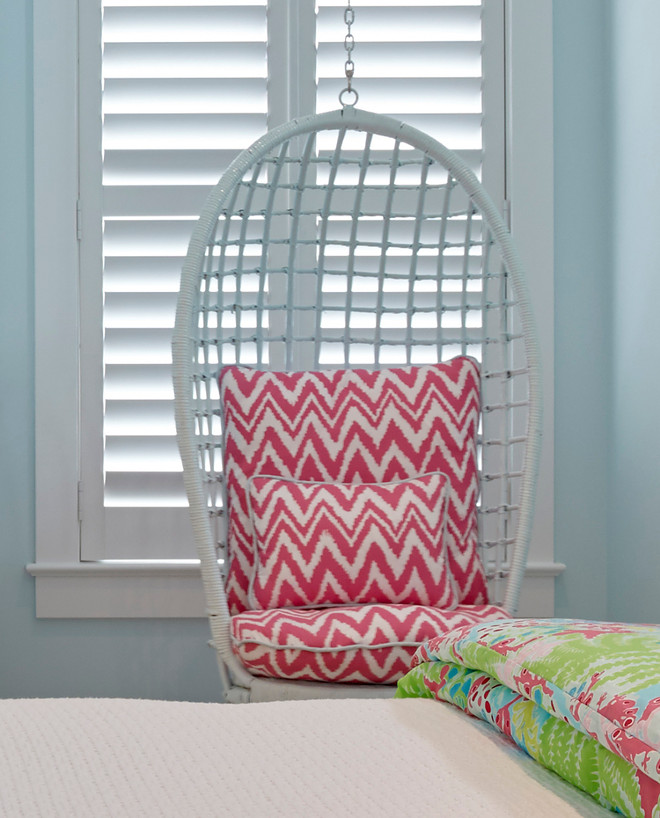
320	544
372	644
353	426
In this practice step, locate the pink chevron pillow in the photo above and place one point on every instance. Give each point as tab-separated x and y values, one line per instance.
353	426
322	544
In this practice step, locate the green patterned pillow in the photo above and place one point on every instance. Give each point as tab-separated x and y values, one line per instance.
601	678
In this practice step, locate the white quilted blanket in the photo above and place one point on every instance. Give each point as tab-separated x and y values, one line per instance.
309	759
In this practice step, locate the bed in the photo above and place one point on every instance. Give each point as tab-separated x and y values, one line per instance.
100	758
398	757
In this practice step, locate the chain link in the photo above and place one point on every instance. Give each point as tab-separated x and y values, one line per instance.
349	65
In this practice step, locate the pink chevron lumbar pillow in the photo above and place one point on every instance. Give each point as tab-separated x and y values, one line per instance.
321	544
354	426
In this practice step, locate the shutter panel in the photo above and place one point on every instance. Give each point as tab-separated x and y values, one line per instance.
421	63
184	90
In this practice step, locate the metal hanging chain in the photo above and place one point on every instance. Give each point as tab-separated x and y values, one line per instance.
349	65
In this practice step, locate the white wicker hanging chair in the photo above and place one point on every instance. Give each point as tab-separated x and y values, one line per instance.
345	214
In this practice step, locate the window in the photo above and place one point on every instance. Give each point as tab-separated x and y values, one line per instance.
182	89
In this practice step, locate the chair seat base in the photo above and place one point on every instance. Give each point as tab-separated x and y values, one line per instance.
365	644
272	690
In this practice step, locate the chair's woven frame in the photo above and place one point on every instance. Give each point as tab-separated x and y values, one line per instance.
347	239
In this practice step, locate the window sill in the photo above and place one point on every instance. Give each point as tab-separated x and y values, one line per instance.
174	590
118	590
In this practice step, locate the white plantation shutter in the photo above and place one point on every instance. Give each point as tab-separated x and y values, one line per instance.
420	63
184	89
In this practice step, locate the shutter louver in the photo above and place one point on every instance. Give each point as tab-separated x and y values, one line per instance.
184	90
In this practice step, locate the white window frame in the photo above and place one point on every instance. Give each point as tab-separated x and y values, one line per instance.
70	588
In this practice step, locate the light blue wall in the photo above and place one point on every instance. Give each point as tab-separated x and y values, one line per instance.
151	659
170	659
607	245
583	159
634	563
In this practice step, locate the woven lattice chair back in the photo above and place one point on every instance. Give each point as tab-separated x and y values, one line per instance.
351	240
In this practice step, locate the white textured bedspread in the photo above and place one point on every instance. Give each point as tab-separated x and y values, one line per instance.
304	759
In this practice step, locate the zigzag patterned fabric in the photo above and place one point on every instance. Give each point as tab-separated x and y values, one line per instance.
371	644
354	426
319	544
